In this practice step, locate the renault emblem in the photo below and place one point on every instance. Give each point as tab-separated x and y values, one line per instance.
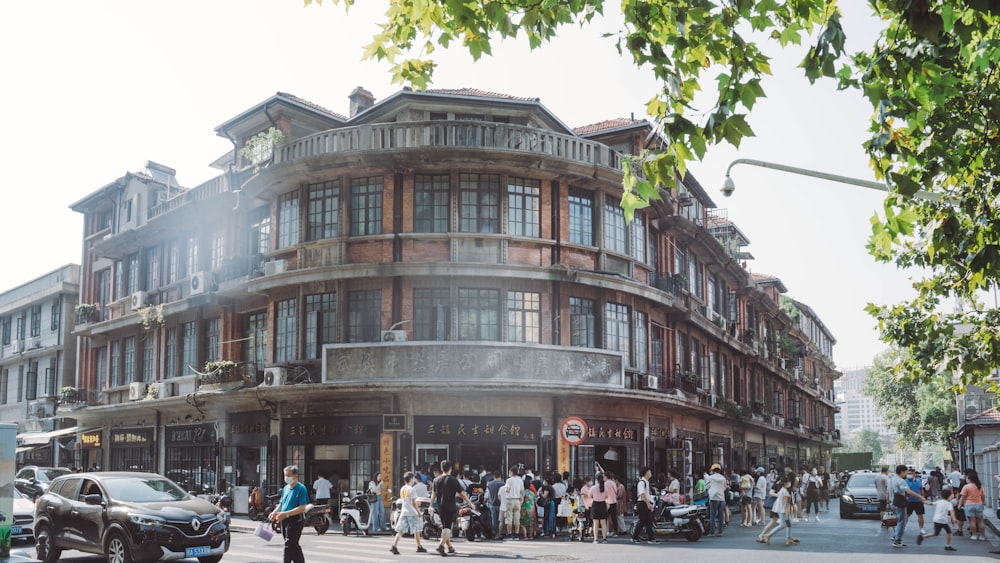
195	524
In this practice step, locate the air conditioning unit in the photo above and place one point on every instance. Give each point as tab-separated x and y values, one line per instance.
274	376
201	282
140	299
827	436
650	382
275	267
136	390
16	346
393	336
40	409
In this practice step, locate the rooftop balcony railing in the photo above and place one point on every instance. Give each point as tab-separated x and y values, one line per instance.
452	134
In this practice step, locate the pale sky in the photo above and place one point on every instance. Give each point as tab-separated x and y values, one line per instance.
94	89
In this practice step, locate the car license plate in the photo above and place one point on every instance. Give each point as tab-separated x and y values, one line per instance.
869	508
15	529
197	551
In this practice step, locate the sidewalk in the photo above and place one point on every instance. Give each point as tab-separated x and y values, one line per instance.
993	526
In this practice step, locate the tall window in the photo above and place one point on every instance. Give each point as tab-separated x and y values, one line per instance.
55	315
218	248
120	279
323	215
132	266
641	362
4	386
189	347
524	315
193	259
36	320
366	206
213	340
171	352
581	219
259	231
321	322
523	207
175	261
148	358
638	228
364	315
128	360
581	319
478	314
479	203
431	314
51	384
616	329
430	204
152	259
102	369
614	227
115	368
22	324
31	383
288	219
20	383
286	334
5	324
255	345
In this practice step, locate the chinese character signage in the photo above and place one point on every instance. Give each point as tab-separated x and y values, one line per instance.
198	434
249	429
90	439
331	429
476	429
605	431
385	468
135	437
429	361
393	422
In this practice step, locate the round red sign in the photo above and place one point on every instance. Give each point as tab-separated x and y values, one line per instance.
573	430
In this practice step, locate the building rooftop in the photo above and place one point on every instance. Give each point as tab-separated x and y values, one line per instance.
609	125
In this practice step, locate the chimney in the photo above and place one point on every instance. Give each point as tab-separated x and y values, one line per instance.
361	100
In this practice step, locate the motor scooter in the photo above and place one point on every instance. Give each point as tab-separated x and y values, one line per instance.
318	516
475	521
356	512
395	512
687	520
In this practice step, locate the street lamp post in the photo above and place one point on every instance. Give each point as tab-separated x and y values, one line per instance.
728	186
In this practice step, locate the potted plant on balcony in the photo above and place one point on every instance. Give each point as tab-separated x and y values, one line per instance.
85	312
69	394
690	381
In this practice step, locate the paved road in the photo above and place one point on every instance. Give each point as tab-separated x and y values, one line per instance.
830	540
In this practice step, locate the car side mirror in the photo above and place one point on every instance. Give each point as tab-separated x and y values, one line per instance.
95	500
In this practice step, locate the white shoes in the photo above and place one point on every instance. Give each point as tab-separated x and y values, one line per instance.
922	531
817	519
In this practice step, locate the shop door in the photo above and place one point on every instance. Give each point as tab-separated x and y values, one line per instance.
431	454
522	457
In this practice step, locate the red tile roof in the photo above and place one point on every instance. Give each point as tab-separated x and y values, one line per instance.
989	415
608	125
764	277
476	93
307	103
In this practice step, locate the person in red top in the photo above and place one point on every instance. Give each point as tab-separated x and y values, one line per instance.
971	500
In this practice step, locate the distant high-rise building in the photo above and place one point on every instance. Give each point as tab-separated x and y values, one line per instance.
857	411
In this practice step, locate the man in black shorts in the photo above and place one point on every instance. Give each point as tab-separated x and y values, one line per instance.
446	488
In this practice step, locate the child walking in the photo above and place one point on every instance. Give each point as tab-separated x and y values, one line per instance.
944	516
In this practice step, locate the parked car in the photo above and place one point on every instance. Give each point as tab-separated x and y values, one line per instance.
22	526
128	517
859	497
33	480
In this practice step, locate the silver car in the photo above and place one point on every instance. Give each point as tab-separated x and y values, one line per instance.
23	524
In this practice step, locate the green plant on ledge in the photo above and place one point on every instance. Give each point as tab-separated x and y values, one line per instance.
735	410
153	391
69	394
151	316
220	368
760	407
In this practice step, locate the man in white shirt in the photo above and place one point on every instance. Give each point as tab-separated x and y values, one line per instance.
513	492
322	487
717	485
644	503
955	479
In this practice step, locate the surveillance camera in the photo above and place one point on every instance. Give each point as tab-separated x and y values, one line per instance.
728	186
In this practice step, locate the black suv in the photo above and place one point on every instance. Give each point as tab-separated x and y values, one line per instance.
860	496
127	517
32	480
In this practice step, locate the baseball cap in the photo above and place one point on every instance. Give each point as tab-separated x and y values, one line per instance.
716	466
760	469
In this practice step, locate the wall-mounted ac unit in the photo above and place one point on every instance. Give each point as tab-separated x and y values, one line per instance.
650	382
40	409
393	336
201	282
16	346
136	390
140	299
274	376
275	267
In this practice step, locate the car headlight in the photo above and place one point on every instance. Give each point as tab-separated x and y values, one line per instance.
144	520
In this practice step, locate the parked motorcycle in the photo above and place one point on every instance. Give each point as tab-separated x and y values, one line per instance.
686	520
356	512
475	521
431	520
318	516
395	512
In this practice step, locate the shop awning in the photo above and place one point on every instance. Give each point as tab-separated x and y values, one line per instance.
42	438
22	449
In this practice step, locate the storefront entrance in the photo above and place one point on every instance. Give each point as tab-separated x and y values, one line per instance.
489	442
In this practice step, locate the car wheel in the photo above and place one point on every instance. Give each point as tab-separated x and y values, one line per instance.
45	546
212	559
117	549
